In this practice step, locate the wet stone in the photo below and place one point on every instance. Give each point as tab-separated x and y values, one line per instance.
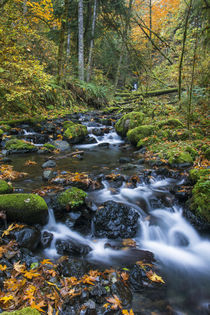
68	247
48	175
123	293
46	239
116	220
28	237
49	164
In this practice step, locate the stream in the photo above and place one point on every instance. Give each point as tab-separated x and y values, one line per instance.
182	254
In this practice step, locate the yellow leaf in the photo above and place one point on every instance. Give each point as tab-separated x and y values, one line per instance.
46	262
2	268
154	277
21	268
5	299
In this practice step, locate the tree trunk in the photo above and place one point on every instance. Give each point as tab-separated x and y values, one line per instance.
61	50
183	50
192	83
80	41
89	67
123	46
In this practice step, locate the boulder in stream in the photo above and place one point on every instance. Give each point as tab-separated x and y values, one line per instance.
19	146
74	133
116	220
71	199
26	208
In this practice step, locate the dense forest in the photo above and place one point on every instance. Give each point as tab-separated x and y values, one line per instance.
104	157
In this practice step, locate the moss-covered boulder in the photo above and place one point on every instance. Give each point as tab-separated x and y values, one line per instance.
5	188
26	208
24	311
19	146
179	157
196	174
71	199
74	133
172	122
200	201
139	133
128	121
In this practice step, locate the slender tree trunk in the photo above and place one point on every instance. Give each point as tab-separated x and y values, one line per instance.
89	67
61	50
192	83
123	46
183	50
80	41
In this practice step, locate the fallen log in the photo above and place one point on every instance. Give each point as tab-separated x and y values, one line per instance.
148	94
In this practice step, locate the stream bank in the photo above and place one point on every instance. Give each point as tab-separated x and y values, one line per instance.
128	197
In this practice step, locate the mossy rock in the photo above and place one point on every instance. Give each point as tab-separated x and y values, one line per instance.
24	311
128	121
68	124
200	201
71	199
26	208
50	147
174	134
172	122
196	174
74	133
178	157
19	146
148	141
5	188
141	132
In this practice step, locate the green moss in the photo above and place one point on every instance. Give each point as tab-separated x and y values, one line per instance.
196	174
16	122
67	124
201	198
139	133
27	208
18	145
129	121
72	198
49	146
170	122
74	133
192	152
179	157
148	141
5	188
24	311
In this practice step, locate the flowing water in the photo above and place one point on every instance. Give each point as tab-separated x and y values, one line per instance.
181	253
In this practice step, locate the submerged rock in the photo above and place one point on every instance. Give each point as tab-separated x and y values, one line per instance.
116	220
26	208
61	145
